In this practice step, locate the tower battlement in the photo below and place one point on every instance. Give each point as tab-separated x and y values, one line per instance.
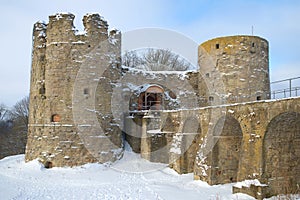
59	54
61	29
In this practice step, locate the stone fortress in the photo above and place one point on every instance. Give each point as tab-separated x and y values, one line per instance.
217	122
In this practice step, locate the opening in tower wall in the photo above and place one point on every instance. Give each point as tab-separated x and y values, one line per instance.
152	98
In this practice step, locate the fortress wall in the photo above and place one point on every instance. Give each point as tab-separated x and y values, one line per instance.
81	100
269	133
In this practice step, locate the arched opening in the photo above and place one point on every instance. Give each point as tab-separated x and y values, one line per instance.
281	149
151	97
226	151
190	144
48	165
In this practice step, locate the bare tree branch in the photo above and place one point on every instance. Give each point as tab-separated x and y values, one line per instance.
155	60
20	111
3	112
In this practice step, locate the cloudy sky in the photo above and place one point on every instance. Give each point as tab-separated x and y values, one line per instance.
275	20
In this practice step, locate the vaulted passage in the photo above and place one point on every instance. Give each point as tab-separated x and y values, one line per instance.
226	151
281	150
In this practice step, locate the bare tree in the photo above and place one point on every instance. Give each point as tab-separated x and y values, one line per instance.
130	58
155	60
3	112
13	128
19	112
4	122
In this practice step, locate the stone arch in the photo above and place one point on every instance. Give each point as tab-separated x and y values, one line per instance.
281	153
151	97
227	135
191	133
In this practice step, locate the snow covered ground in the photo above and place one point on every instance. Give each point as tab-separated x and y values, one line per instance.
129	178
20	180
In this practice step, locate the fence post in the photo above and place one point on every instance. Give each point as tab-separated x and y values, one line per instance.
290	80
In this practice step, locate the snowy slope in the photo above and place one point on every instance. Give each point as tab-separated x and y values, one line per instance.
20	180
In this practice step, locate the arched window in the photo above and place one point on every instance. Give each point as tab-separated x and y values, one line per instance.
151	98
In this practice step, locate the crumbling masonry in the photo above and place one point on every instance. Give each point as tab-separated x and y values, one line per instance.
216	122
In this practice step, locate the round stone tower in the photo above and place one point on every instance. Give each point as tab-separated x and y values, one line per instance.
72	77
235	69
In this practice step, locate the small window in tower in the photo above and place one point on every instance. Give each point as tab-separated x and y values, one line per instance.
210	99
217	46
55	118
253	44
42	90
258	98
85	91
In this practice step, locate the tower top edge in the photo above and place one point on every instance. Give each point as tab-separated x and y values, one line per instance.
232	37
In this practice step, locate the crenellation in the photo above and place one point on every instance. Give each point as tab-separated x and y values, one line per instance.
60	28
39	35
96	27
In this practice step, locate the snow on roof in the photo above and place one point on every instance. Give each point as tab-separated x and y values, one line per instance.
145	87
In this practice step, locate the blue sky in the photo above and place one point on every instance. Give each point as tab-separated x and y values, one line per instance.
201	20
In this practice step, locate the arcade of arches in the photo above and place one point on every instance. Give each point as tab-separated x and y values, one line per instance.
255	140
281	153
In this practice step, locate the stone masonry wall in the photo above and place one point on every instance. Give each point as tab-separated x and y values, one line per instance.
230	143
180	92
231	67
263	154
81	102
65	65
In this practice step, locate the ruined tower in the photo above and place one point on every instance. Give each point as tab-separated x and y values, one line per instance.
235	69
72	76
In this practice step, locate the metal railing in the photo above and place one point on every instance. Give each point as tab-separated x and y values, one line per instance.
285	88
153	105
279	89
